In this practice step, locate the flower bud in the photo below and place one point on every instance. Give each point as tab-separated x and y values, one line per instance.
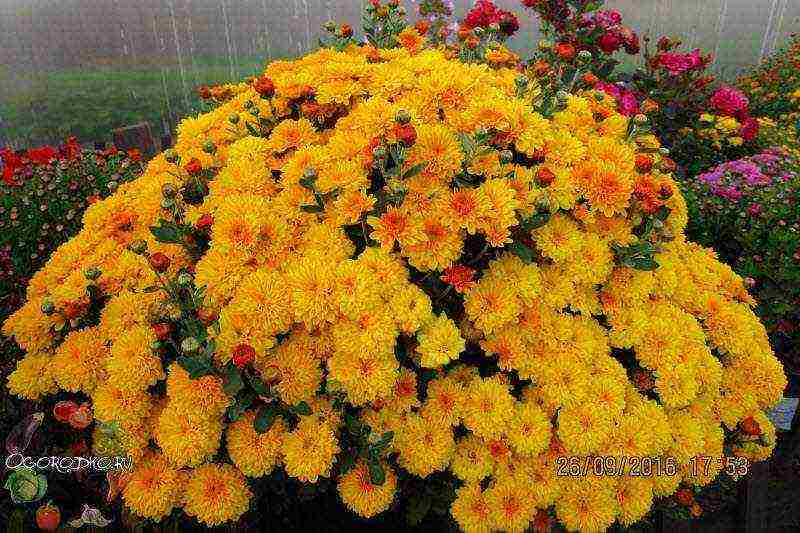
233	119
521	81
264	87
159	261
162	330
506	157
545	45
209	147
112	185
184	279
584	56
310	174
243	355
171	156
48	307
193	167
168	190
561	96
406	134
92	273
204	223
545	176
189	345
167	203
379	152
402	117
138	247
640	119
329	26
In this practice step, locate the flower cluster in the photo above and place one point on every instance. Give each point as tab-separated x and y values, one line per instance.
43	193
485	15
774	88
380	264
748	209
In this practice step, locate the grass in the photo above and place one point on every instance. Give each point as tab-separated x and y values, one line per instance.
90	102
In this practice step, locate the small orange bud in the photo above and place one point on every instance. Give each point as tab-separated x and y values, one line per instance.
644	163
545	176
750	427
565	51
685	496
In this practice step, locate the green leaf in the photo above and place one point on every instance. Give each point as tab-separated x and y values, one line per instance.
663	213
251	129
233	381
236	410
307	183
311	208
377	476
258	386
383	442
522	251
413	171
168	232
643	263
196	366
302	408
346	463
264	419
418	507
536	221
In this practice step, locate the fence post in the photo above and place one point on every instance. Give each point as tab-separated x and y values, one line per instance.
135	136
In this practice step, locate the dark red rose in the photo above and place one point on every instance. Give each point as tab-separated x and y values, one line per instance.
609	42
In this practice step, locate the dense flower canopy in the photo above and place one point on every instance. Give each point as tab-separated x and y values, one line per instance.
399	240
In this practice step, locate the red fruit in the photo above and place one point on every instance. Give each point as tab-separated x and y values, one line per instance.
750	427
264	87
193	167
162	331
406	134
48	517
159	262
204	223
243	355
64	409
545	176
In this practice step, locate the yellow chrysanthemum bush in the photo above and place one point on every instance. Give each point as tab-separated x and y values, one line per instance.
376	266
